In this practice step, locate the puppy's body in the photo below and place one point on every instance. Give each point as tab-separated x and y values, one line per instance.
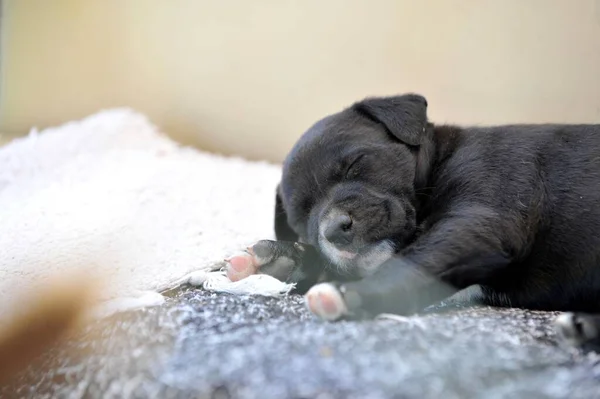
522	203
404	212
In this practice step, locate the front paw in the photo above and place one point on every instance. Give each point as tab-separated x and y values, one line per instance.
326	301
241	266
278	259
335	301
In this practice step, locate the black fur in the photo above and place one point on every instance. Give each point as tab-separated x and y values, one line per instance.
514	209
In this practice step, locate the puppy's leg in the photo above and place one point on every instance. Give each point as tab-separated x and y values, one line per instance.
276	258
287	261
580	329
398	287
463	250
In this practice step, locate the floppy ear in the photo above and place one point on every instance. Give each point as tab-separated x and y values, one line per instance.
283	231
405	116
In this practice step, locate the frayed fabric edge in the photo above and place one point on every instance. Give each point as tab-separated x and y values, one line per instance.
208	279
257	284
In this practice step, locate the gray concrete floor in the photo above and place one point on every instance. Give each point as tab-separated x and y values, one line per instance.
203	345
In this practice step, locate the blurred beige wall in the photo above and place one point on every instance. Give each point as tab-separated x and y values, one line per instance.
247	77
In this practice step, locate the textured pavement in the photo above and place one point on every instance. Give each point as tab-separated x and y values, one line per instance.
203	345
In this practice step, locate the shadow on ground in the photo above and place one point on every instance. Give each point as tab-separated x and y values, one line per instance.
204	345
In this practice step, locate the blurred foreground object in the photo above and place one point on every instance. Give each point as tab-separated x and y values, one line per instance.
45	319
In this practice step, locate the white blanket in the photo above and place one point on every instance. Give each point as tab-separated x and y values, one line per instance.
112	195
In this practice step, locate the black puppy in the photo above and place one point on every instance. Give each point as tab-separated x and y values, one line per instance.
397	213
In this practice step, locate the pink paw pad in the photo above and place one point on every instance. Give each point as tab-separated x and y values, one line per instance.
325	301
241	266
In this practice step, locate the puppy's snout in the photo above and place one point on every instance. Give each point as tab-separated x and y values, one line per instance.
338	229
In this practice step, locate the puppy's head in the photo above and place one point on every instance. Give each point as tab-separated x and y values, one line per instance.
348	183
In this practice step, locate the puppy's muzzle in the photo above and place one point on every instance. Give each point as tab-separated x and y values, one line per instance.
337	228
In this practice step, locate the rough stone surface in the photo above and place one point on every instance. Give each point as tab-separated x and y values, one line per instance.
204	345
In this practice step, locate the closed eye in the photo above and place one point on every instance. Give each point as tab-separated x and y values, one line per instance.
352	170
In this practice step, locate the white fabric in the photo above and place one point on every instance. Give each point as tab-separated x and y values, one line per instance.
258	284
114	196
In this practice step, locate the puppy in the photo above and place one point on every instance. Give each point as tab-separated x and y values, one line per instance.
391	213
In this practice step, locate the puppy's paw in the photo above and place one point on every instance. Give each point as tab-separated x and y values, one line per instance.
580	330
241	266
275	258
335	301
326	301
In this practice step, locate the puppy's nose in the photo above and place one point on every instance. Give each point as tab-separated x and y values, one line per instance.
338	230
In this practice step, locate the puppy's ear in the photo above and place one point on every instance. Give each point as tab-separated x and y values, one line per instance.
283	231
405	116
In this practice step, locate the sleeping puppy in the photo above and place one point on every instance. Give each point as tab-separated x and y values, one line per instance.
381	211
